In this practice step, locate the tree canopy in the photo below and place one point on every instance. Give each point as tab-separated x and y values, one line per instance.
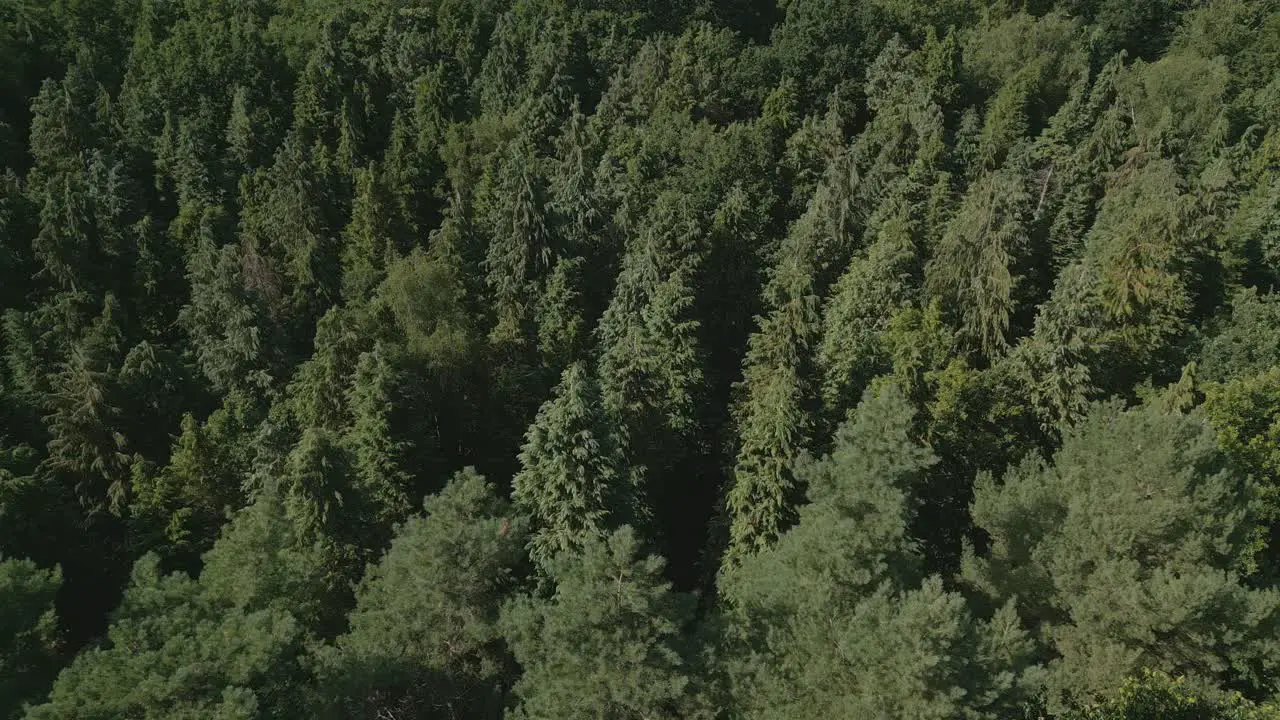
692	360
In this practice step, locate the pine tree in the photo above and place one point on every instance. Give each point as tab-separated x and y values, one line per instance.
837	620
1128	551
323	499
1156	695
562	331
608	642
424	637
265	560
290	241
445	363
225	646
185	503
1246	341
650	362
317	393
15	221
242	140
572	189
652	367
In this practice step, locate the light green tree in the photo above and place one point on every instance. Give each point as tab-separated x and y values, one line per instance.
574	481
424	637
608	642
837	620
1127	551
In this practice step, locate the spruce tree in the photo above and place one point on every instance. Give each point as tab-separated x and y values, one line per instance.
372	238
379	456
773	417
874	288
975	267
231	338
519	253
574	481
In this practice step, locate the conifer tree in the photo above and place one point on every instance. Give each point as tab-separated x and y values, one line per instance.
975	266
652	365
518	254
85	424
836	619
874	288
187	501
322	497
316	394
773	418
229	645
290	237
231	338
28	633
574	481
652	309
379	457
562	331
1157	695
607	642
371	240
424	637
1129	550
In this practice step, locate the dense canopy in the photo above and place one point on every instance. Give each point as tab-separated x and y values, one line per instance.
593	359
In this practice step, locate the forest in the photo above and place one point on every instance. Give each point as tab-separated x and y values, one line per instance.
623	360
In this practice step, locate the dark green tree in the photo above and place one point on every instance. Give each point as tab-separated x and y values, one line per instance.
28	633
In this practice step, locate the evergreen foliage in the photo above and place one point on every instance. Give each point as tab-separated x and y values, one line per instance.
756	358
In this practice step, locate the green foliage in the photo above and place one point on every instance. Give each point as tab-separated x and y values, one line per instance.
272	271
1248	341
863	302
574	481
424	636
837	618
1156	695
228	645
28	633
975	266
776	385
518	253
608	641
650	360
186	501
1127	551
